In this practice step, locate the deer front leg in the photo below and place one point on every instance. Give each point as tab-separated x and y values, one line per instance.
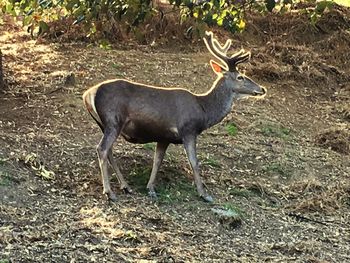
158	158
190	147
109	136
123	184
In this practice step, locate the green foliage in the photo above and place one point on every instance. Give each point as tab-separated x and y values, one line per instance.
175	193
35	14
101	17
149	146
139	178
231	129
223	13
95	14
235	208
320	8
275	130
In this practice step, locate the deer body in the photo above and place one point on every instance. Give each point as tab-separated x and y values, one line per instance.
142	113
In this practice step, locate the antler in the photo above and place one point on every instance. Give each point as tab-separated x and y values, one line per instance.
220	52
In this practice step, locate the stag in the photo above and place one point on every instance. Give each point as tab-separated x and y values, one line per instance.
142	113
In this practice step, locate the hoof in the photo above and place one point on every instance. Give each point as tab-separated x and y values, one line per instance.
208	198
152	194
127	190
111	197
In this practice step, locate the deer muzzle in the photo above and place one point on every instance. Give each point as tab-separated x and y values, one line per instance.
260	93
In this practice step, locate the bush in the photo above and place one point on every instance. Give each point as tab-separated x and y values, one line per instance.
101	16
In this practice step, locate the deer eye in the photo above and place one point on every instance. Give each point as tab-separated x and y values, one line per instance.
240	77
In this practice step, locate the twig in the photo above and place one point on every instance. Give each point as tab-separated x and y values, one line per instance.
302	218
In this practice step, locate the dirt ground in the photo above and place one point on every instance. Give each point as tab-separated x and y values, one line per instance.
281	164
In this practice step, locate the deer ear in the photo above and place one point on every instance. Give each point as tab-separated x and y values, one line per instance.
217	68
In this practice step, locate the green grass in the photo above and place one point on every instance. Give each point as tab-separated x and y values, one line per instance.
275	130
5	179
231	129
211	162
116	65
176	190
149	146
139	177
231	213
234	208
175	187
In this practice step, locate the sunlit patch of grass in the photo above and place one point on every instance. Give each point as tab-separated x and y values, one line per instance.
231	129
229	215
235	208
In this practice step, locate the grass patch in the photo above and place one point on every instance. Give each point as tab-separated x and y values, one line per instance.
231	129
229	215
149	146
170	189
139	177
211	162
275	130
116	65
176	192
236	209
5	179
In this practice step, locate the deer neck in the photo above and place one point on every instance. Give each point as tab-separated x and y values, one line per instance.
217	102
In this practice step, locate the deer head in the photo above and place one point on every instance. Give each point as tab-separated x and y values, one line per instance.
241	85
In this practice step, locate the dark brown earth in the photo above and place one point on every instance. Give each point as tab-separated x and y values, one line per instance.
284	170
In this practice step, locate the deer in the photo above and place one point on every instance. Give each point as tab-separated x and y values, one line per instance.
143	113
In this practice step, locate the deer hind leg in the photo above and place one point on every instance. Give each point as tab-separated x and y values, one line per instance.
190	148
158	158
123	184
105	145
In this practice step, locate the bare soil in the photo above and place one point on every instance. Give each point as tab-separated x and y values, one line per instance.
284	168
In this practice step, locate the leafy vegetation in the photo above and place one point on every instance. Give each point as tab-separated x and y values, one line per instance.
275	130
103	19
231	129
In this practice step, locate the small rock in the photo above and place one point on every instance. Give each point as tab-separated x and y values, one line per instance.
69	79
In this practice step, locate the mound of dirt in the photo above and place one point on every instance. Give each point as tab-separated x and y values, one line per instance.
336	139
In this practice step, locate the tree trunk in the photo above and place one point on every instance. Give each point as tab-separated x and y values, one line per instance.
2	84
